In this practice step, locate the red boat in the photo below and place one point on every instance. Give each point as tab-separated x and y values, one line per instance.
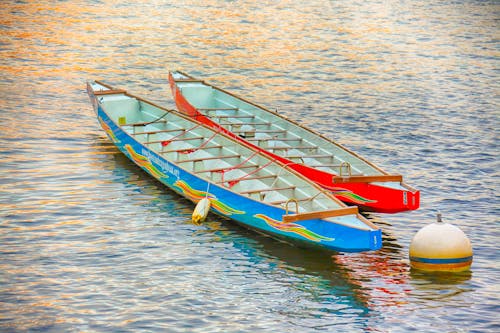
348	176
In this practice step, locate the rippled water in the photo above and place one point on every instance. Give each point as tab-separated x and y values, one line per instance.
90	243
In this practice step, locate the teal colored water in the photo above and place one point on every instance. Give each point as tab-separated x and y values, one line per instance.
90	243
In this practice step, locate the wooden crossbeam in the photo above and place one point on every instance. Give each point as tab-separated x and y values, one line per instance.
227	116
109	92
319	214
185	139
146	123
279	148
248	178
268	189
223	169
276	139
284	201
308	156
161	131
218	109
368	179
209	158
291	147
241	124
260	131
173	140
191	148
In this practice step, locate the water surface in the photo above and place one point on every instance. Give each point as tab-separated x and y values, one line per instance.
91	243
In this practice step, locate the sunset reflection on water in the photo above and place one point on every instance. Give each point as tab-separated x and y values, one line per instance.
90	242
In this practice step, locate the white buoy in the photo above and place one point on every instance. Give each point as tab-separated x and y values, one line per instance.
201	210
440	247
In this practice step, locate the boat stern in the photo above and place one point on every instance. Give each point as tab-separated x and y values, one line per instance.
341	229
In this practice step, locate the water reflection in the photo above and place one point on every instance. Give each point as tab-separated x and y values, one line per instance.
312	274
343	283
326	288
90	242
439	285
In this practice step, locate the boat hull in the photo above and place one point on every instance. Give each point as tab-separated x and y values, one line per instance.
368	196
253	214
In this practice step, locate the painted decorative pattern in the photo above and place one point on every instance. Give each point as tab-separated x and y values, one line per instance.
293	228
108	131
144	162
197	195
341	192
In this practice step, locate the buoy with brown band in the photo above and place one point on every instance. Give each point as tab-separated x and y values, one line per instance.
440	247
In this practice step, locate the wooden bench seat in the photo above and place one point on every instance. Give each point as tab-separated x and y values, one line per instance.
191	148
285	201
228	168
276	139
247	178
276	189
292	147
145	123
161	131
173	140
259	131
235	116
308	156
208	158
242	124
319	214
109	92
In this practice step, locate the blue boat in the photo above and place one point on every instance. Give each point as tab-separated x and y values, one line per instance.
239	182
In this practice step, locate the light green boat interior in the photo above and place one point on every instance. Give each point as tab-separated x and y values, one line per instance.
217	158
272	132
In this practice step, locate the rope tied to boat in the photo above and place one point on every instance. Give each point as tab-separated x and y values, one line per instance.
223	171
184	131
285	166
159	118
189	151
233	182
326	192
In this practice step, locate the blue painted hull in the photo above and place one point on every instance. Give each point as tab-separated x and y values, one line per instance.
254	214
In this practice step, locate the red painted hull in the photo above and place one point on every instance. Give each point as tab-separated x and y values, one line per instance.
367	196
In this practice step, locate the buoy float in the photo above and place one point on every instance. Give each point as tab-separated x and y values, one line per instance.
201	210
440	247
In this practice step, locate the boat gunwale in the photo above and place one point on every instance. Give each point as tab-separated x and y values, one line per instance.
370	226
192	79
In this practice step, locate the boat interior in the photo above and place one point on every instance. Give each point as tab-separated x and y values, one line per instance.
214	157
270	132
